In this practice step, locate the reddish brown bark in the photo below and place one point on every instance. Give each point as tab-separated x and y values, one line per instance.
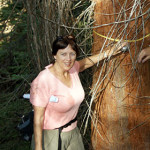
121	106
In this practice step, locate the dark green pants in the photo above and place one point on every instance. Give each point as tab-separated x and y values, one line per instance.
71	140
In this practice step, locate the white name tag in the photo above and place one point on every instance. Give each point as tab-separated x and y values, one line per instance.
53	99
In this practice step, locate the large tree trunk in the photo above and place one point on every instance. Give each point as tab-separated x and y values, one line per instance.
121	101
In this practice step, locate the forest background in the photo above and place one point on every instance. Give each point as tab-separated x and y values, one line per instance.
25	50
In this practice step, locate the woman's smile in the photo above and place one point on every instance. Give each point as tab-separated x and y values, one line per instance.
68	64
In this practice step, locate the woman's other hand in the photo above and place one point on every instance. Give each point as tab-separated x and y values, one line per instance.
144	55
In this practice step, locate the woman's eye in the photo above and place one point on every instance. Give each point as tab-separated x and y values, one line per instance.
63	54
73	54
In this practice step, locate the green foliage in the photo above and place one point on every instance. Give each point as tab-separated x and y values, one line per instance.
15	74
13	52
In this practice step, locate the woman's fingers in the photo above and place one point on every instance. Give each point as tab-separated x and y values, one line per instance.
116	49
123	46
120	47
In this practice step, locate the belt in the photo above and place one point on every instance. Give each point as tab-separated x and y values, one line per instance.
60	130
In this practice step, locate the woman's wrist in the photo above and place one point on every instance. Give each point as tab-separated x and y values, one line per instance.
38	147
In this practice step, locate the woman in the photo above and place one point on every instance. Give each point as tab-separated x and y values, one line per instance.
56	95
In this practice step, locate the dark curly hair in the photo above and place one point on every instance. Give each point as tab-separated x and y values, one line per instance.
62	42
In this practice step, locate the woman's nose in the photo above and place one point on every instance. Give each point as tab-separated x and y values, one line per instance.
68	57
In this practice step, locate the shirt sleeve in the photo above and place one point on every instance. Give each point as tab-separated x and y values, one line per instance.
38	91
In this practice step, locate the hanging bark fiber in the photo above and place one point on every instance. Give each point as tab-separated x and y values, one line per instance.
121	86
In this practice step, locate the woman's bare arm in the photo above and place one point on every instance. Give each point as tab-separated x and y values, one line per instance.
38	126
92	60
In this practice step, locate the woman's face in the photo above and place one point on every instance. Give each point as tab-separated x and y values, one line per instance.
65	58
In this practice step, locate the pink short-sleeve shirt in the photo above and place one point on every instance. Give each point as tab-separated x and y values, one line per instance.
61	102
